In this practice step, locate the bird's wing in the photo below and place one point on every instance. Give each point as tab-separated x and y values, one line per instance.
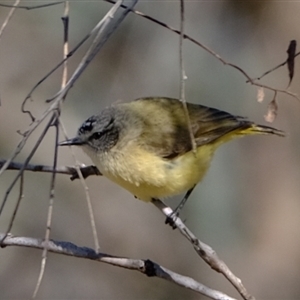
165	130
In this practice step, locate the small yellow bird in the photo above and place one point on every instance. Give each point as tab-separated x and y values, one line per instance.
145	145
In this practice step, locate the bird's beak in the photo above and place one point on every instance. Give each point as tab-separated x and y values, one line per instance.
72	142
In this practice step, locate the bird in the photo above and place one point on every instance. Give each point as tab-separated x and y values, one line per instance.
145	145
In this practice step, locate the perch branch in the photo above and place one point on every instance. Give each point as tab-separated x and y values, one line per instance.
204	251
146	267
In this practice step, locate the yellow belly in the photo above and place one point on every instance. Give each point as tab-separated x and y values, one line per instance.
147	176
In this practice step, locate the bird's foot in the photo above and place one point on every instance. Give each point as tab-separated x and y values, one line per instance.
171	219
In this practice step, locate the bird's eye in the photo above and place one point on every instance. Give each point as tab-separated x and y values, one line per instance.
88	125
96	136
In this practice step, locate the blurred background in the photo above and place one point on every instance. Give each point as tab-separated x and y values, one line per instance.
247	208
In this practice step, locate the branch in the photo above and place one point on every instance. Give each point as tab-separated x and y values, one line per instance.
10	14
85	170
31	7
183	78
146	267
204	251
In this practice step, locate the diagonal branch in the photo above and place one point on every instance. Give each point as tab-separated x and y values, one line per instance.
204	251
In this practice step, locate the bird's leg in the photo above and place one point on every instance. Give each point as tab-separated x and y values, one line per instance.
175	214
183	201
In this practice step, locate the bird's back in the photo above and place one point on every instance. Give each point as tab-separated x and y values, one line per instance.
165	130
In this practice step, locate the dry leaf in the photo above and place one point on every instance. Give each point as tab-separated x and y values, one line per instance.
272	111
260	94
291	51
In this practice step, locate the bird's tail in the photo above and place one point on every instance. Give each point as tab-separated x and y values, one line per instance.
248	128
216	127
244	128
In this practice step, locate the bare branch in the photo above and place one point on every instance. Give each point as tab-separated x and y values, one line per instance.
204	251
65	20
21	196
275	68
146	267
86	170
10	14
50	207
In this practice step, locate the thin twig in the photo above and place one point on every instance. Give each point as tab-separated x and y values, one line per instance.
65	20
21	196
50	208
23	141
143	266
10	14
106	27
80	175
275	68
32	7
183	78
24	165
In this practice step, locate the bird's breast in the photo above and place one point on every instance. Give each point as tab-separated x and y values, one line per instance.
148	176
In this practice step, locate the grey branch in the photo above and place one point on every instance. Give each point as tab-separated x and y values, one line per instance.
204	251
86	170
146	267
